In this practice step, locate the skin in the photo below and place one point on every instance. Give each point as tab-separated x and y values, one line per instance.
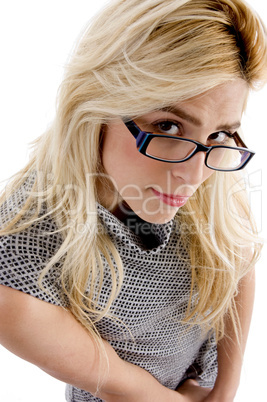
141	181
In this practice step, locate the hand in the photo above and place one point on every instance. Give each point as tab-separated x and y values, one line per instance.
193	392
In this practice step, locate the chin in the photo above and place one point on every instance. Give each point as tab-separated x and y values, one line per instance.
156	212
157	218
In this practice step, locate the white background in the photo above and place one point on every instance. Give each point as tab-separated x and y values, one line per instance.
36	39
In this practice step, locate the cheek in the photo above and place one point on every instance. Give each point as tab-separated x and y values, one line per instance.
207	173
119	157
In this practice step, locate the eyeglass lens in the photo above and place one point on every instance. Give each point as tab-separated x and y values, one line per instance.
173	149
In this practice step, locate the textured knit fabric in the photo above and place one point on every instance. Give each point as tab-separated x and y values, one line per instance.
152	302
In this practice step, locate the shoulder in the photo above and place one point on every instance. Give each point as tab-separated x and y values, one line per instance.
25	254
38	242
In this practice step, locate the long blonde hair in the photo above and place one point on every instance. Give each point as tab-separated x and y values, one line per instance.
134	57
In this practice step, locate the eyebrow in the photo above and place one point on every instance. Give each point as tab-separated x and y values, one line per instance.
195	120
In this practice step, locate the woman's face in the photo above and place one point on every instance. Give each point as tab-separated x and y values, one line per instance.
155	190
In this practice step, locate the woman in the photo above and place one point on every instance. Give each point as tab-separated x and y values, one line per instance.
129	219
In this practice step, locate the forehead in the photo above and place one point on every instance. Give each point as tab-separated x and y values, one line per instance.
228	90
225	103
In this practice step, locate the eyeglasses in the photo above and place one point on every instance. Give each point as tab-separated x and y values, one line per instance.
166	148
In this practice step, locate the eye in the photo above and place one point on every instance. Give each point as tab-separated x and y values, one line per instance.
166	127
220	138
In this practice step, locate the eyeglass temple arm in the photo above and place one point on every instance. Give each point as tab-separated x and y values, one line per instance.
133	128
138	134
239	141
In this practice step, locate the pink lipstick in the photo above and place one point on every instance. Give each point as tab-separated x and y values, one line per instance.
170	199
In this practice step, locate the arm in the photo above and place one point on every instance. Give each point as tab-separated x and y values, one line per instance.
51	338
230	354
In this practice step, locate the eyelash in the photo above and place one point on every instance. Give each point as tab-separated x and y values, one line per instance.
227	134
157	124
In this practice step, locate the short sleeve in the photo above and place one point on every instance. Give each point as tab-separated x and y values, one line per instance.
25	254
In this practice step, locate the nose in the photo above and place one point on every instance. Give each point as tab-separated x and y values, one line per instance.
191	171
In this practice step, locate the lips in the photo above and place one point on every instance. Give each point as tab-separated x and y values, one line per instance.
170	199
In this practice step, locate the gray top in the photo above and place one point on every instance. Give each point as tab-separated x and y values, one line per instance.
151	303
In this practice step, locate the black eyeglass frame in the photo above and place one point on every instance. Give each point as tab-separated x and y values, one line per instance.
143	139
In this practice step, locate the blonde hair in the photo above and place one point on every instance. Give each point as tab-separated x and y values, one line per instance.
135	57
